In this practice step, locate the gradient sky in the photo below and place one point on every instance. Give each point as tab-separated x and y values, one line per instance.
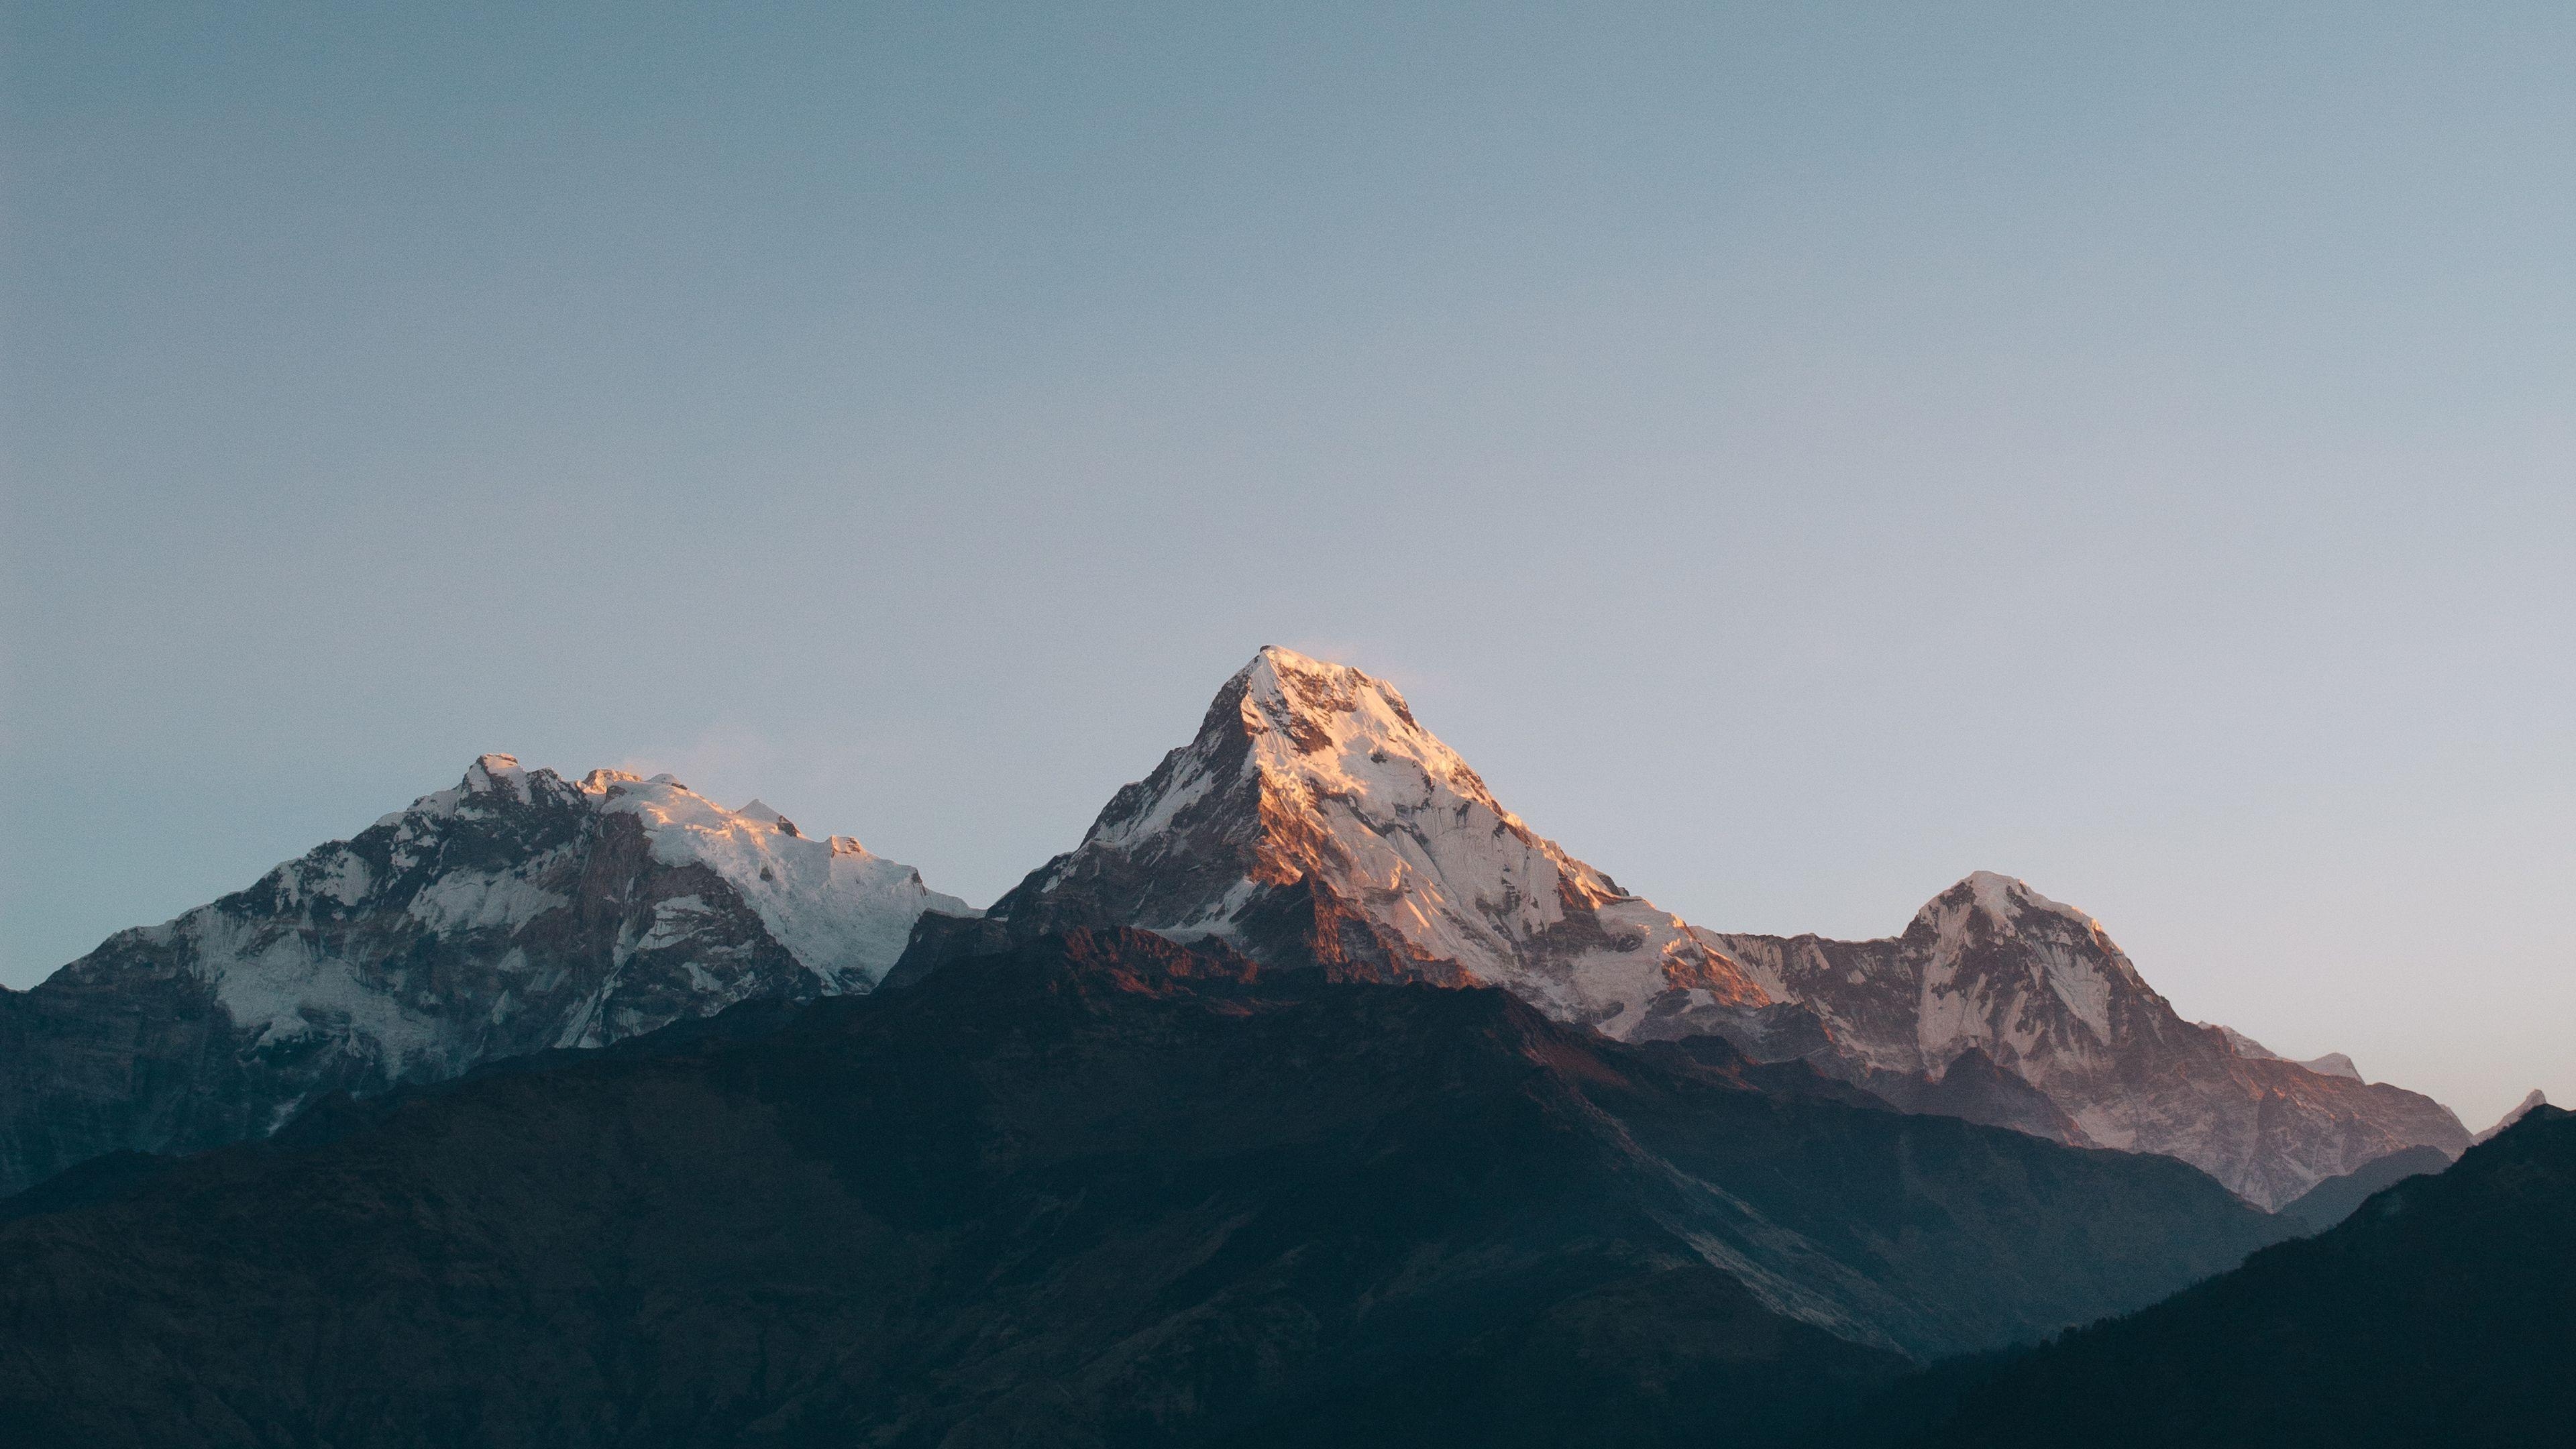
1799	454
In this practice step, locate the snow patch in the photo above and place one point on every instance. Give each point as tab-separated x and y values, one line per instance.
483	901
1397	826
497	775
277	985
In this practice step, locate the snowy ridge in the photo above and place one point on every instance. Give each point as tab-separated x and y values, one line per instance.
842	912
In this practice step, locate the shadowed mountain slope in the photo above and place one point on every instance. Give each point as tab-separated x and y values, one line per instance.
2533	1099
2334	1199
2437	1313
1093	1189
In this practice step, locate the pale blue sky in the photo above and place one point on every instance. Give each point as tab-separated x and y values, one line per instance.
1799	454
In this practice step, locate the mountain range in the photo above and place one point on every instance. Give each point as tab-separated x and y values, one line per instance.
1310	821
1312	1098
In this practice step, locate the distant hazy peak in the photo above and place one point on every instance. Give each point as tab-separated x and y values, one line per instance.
2332	1064
2527	1106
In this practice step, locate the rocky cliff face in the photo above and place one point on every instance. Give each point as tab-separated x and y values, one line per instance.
515	912
1313	820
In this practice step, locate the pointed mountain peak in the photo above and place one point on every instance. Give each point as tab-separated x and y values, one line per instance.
491	779
1290	680
1337	732
1313	818
1988	903
2529	1104
1279	660
495	774
759	810
2008	896
1316	707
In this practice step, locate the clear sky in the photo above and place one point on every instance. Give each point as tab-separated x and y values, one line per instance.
1799	454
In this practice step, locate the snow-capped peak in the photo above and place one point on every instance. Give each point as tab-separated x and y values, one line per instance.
496	774
491	778
842	912
2006	898
512	912
759	810
2056	947
1304	708
1322	731
1316	778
